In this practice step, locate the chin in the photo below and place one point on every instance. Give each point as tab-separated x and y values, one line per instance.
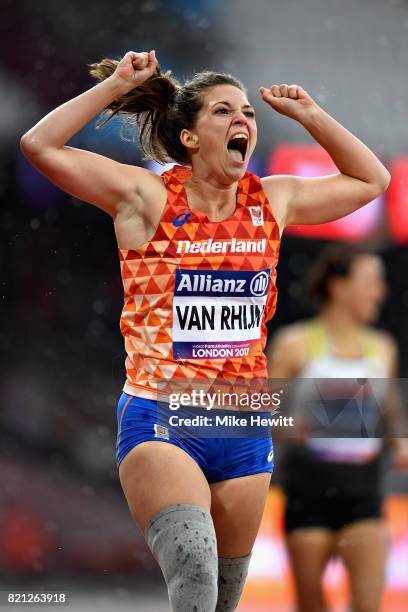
369	316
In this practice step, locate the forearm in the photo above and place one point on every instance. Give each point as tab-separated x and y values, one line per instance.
394	417
56	128
351	156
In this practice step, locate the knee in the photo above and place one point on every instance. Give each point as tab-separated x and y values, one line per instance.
365	605
197	568
182	540
193	563
232	573
311	599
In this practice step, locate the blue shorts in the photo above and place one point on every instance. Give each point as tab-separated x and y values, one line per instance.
229	450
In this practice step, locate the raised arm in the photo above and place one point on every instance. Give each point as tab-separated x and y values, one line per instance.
88	176
303	201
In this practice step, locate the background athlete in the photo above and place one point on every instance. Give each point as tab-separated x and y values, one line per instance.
166	487
334	486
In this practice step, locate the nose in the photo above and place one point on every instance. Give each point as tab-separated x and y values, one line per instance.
240	117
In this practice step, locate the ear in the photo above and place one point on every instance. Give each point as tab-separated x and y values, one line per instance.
188	139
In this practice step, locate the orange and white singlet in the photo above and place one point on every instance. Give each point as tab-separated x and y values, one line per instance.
198	294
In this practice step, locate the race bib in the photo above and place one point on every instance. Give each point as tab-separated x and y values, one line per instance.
218	313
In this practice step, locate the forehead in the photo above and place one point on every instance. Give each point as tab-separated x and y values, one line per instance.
368	264
224	93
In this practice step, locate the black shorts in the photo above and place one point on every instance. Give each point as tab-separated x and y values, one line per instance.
332	512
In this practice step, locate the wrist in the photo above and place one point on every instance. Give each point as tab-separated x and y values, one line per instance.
311	117
120	86
117	86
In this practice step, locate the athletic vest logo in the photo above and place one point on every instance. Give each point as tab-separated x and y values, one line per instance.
259	283
217	246
256	215
182	218
218	314
161	432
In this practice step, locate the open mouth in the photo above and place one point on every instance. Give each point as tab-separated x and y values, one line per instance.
237	147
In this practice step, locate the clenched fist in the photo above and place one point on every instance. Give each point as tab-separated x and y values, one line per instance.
289	100
135	68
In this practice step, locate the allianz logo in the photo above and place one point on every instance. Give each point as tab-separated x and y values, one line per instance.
206	283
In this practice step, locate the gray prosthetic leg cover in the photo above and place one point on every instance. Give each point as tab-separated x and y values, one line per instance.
232	574
183	542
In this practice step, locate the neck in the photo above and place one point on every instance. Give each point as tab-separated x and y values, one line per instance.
339	321
206	193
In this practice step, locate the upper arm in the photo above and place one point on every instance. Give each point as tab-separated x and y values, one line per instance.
91	177
287	352
389	349
392	403
307	201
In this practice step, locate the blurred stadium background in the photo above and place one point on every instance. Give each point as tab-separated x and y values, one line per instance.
64	523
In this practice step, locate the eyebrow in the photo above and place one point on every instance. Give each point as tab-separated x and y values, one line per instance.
230	105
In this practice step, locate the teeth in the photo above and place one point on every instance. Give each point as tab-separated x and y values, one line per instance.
240	135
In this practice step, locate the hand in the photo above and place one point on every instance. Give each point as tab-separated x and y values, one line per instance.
135	68
289	100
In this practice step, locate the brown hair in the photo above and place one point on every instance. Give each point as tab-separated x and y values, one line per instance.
163	108
336	262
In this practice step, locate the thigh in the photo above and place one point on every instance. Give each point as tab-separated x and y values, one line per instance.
157	474
309	550
237	506
363	547
157	468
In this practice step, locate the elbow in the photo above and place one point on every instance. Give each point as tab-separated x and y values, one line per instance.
26	144
382	184
386	180
34	147
29	145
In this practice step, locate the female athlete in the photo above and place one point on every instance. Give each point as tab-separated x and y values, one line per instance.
198	248
334	485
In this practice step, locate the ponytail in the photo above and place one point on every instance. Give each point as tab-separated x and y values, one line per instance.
162	108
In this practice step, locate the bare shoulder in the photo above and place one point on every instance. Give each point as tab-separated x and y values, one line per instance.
143	182
385	340
145	194
288	350
140	214
291	336
389	349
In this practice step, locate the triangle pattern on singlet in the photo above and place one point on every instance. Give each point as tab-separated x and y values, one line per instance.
148	274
